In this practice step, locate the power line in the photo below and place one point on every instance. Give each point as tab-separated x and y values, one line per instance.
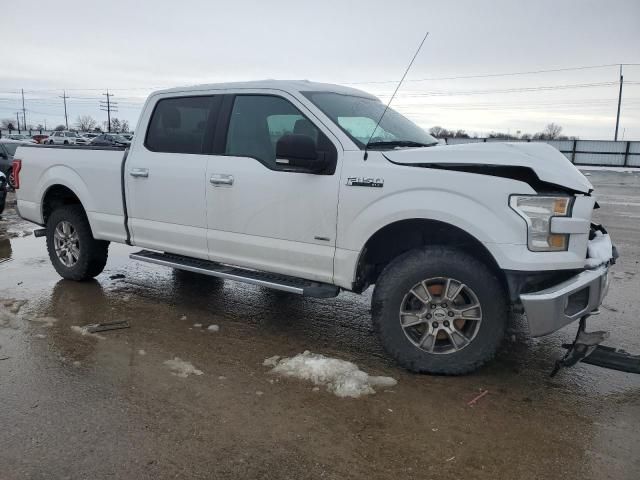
490	75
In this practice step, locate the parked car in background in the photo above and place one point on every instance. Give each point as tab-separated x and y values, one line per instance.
82	140
40	138
7	151
65	138
20	137
110	140
90	135
3	191
128	136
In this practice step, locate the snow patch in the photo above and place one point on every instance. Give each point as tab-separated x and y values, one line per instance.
213	328
182	368
599	250
341	378
141	352
197	325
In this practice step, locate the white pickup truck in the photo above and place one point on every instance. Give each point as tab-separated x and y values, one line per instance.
285	184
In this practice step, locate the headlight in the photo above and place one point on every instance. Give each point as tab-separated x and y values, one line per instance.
538	211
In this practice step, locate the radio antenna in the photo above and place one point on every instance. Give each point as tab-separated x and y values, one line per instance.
394	94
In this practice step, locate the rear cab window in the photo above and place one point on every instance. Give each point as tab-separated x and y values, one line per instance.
183	124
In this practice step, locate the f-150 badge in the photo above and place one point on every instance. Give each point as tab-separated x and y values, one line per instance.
365	182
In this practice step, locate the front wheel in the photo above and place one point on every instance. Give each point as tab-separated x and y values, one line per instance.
73	251
439	310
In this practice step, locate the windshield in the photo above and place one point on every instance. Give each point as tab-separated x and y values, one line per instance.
358	116
11	148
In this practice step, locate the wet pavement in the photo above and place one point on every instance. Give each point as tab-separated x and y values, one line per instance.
80	406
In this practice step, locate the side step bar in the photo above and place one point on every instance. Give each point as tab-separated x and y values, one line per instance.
302	287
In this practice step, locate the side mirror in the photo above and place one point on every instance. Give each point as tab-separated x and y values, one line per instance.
299	151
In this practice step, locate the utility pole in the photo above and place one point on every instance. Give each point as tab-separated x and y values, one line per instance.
619	103
108	106
64	98
24	111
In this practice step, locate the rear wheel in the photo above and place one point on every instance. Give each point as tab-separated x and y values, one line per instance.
73	251
439	310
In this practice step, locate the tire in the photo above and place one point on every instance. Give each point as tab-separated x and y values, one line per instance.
66	143
10	179
439	340
87	256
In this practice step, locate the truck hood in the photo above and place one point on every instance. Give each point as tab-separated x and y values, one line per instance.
548	164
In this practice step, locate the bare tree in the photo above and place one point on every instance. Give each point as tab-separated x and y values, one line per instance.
85	123
8	124
440	132
124	126
552	131
116	125
59	128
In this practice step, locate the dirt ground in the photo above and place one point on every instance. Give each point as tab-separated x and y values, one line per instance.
77	406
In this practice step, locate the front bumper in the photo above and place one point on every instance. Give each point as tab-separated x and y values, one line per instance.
551	309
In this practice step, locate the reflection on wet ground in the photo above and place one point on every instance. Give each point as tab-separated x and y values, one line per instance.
81	406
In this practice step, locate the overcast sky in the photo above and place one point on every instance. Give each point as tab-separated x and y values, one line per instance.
133	47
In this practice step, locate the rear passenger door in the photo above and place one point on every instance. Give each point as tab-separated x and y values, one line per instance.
259	214
165	175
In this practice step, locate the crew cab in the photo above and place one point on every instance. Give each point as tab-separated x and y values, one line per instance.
309	188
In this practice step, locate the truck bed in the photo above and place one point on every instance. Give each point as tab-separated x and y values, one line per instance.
93	173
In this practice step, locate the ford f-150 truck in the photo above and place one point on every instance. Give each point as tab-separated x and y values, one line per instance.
290	185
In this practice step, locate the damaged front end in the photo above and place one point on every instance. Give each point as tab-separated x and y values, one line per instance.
578	298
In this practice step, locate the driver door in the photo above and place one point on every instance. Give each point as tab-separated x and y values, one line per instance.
259	215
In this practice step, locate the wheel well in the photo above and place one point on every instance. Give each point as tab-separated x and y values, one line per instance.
57	196
396	238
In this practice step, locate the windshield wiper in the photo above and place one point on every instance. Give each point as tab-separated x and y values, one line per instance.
400	143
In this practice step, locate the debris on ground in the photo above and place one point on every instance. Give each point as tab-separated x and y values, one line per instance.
4	358
117	276
85	333
105	326
342	378
183	317
45	321
40	335
141	352
473	401
213	328
181	368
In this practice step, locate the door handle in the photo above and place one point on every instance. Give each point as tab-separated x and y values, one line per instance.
139	172
220	179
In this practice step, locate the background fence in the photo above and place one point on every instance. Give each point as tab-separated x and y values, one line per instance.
581	152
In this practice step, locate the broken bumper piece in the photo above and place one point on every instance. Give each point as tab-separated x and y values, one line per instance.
551	309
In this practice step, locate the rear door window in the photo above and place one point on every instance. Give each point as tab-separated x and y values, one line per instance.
183	124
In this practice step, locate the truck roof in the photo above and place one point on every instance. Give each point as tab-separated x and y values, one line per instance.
286	85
